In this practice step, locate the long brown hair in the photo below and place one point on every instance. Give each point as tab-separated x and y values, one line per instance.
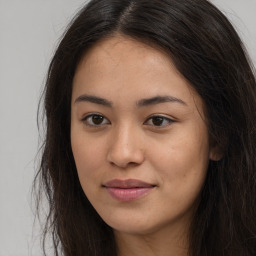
209	54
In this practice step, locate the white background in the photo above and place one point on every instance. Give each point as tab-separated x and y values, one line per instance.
29	32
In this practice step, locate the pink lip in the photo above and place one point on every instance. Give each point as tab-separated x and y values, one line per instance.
128	190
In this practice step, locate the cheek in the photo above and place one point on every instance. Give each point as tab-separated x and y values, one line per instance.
88	157
182	162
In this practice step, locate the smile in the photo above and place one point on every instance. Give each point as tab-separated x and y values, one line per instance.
128	190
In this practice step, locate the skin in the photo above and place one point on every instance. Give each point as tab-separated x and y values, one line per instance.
172	154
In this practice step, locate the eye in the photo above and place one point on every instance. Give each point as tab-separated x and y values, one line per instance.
95	120
159	121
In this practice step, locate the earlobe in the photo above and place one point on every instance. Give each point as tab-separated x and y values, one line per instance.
216	153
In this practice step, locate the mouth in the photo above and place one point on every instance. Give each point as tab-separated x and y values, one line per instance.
128	190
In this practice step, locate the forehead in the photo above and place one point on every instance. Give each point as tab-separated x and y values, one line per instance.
124	67
119	43
120	53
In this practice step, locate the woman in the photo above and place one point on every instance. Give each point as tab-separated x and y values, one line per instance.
150	142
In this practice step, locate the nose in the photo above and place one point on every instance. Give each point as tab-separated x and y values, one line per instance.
126	147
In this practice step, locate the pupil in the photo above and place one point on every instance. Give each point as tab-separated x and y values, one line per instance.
97	119
157	121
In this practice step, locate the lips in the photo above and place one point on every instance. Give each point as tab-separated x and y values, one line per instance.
131	183
127	190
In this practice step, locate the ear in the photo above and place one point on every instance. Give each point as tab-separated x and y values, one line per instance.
216	152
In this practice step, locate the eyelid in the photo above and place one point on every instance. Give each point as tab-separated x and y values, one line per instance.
87	116
169	119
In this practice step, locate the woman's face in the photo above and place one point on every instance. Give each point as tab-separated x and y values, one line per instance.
139	138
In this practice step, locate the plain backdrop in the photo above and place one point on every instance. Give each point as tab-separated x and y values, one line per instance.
29	33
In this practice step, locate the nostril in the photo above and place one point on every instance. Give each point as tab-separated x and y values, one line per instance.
125	157
124	165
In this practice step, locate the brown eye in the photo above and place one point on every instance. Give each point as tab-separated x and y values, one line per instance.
159	121
95	120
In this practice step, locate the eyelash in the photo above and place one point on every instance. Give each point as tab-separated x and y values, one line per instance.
164	119
90	123
90	116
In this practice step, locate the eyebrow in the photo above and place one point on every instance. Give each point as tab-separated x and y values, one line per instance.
141	103
94	99
158	100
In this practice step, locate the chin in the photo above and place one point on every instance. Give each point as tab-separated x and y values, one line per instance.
129	225
141	223
135	226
